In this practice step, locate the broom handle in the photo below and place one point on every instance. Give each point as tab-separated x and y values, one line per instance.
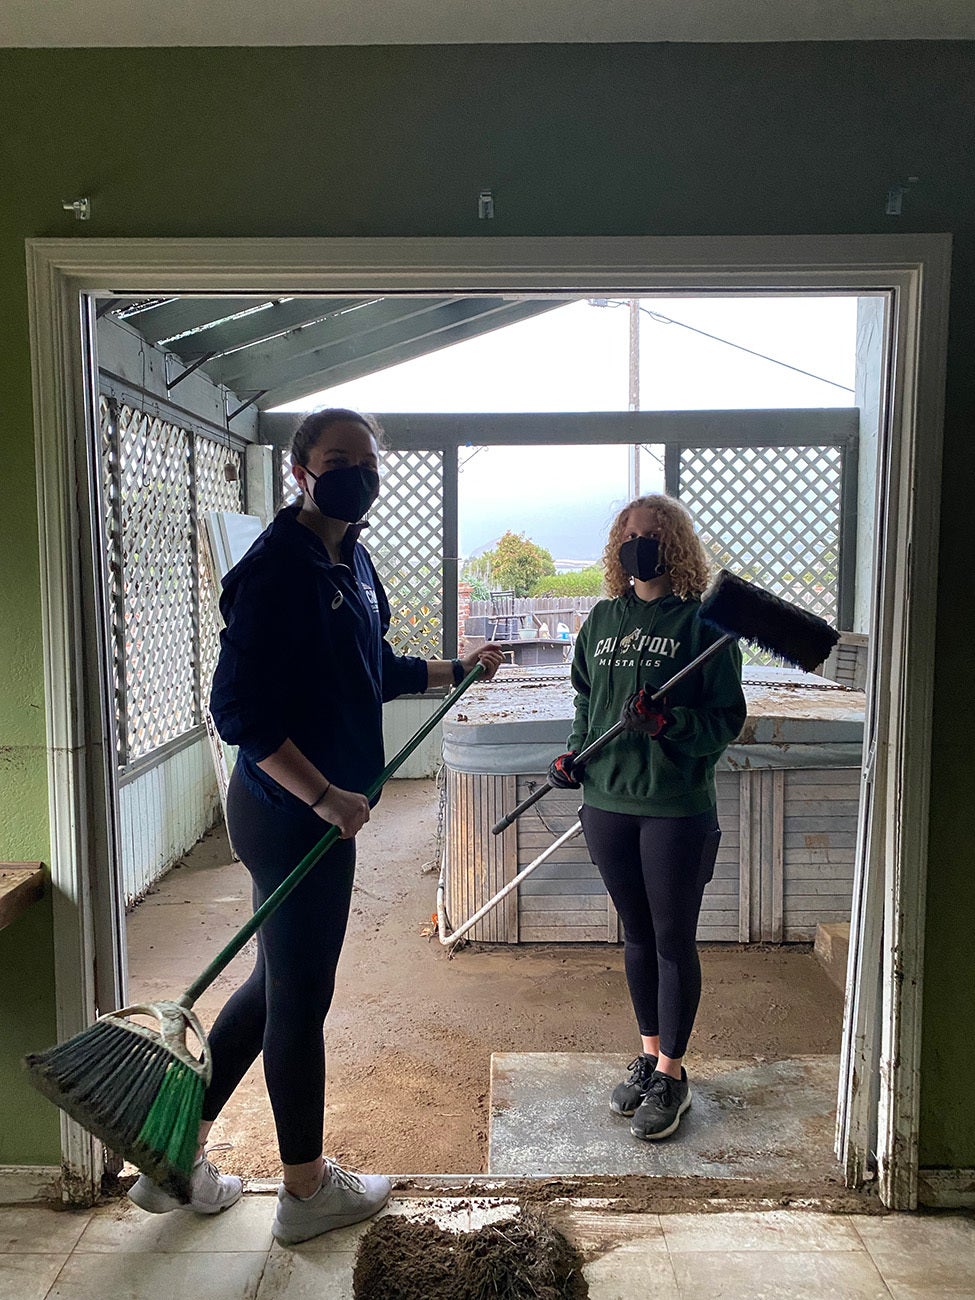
591	750
310	859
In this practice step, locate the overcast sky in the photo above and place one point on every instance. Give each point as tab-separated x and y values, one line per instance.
576	358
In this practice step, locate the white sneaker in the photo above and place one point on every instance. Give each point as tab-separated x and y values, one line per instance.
210	1191
343	1198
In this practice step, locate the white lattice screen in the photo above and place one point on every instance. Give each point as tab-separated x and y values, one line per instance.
214	491
405	540
772	515
157	477
289	488
111	491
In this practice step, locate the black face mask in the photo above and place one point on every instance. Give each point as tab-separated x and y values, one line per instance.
345	493
640	558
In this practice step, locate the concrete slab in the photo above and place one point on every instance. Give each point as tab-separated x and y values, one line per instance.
550	1115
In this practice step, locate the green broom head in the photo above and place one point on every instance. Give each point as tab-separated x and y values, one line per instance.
137	1088
741	609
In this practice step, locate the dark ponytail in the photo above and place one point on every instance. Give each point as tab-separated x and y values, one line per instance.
313	426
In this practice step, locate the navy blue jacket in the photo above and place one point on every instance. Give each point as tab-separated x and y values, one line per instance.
303	656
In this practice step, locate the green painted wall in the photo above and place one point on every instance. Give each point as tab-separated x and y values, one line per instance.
28	1126
574	140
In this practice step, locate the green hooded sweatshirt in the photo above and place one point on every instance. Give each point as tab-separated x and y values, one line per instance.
627	643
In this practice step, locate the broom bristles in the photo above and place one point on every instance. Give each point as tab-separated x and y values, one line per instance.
741	609
124	1085
166	1145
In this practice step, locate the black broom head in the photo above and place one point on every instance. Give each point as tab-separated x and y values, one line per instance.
741	609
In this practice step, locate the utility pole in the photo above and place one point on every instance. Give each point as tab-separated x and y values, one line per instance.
633	468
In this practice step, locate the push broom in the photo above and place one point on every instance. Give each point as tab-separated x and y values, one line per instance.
140	1089
739	610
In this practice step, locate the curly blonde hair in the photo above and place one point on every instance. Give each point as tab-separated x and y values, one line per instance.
680	548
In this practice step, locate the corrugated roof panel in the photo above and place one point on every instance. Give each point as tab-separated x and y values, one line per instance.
289	347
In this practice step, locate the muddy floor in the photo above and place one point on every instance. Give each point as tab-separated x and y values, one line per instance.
411	1032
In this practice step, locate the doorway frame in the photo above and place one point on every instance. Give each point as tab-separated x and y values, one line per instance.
882	1034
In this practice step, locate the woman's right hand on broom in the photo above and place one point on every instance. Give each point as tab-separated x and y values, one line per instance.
346	809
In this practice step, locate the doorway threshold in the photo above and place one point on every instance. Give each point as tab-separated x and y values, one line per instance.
598	1194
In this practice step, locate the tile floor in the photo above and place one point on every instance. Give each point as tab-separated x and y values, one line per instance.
117	1251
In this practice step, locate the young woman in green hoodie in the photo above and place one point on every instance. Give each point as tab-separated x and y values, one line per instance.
649	809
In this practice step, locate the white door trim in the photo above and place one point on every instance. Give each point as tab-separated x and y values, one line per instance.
907	619
56	353
913	268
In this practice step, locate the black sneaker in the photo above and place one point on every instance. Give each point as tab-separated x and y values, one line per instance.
659	1113
628	1094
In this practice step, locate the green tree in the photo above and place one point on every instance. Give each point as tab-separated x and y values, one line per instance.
517	563
587	582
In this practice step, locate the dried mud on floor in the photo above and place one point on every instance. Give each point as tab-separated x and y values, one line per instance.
521	1258
410	1034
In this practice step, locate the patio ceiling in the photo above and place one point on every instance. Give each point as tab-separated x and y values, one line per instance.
115	23
275	351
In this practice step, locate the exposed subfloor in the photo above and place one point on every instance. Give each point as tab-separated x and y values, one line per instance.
411	1032
116	1250
768	1122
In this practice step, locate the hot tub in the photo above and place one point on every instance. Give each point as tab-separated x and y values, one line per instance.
788	793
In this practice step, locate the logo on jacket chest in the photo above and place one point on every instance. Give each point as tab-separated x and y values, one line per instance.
635	645
370	595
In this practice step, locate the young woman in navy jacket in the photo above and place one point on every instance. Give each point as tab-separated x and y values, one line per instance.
303	673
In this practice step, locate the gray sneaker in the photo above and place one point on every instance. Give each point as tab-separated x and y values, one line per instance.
628	1094
343	1198
211	1192
659	1113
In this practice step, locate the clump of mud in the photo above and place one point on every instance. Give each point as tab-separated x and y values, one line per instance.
523	1258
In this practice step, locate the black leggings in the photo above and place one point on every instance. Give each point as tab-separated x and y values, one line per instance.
655	869
281	1007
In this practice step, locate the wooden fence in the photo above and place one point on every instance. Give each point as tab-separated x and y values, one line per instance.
502	617
545	606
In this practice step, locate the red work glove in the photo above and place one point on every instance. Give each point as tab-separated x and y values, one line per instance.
642	713
561	774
